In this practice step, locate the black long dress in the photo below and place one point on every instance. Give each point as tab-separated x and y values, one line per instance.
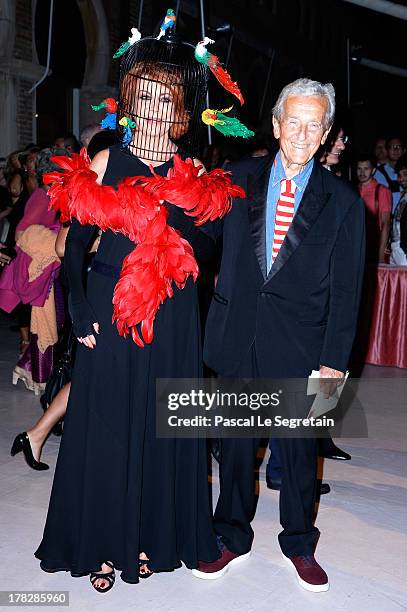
118	490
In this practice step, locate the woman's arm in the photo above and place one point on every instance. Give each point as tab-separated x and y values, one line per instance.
60	241
77	244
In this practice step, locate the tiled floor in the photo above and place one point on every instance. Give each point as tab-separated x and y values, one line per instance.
363	523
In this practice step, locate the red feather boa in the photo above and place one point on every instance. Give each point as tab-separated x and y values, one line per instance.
162	257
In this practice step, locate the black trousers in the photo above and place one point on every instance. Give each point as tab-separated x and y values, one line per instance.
237	500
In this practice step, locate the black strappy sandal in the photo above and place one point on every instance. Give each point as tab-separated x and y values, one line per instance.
110	577
144	574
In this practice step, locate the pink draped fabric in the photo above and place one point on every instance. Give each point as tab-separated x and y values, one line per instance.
384	315
36	212
14	283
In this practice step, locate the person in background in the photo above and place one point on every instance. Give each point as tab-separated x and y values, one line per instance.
71	143
386	173
28	160
333	149
68	142
12	164
18	196
380	151
88	133
378	204
398	255
59	142
31	279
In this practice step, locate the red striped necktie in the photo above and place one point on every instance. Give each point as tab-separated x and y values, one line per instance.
284	215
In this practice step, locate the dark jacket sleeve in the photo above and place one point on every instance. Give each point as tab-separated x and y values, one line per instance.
76	247
346	278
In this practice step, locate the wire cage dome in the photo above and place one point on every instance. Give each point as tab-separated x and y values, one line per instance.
162	94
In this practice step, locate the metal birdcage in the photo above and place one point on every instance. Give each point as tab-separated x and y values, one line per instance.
162	94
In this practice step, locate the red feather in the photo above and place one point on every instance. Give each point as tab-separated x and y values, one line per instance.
224	77
206	197
162	257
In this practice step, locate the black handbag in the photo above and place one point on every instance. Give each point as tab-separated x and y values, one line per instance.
60	375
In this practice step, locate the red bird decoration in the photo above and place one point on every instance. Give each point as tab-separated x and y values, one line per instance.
203	56
161	256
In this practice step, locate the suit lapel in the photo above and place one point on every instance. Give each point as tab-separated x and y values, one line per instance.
312	203
257	188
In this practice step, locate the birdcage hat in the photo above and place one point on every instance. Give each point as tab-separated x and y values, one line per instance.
162	90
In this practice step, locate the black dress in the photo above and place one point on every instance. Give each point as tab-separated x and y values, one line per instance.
118	490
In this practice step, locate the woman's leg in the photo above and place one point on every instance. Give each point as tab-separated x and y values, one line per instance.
56	410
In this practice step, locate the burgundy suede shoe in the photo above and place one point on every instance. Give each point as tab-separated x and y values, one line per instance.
216	569
310	574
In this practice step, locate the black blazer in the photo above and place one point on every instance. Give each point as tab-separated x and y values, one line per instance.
303	314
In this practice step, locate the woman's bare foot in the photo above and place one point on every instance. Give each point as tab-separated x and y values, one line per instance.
36	445
102	583
144	570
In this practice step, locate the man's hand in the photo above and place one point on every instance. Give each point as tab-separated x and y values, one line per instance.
329	386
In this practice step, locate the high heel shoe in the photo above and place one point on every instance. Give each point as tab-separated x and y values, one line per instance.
22	443
25	376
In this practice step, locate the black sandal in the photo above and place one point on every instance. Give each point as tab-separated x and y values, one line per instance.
110	577
144	574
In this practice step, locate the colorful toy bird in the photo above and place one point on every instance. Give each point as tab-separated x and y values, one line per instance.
109	122
228	126
128	125
203	56
135	37
168	23
109	104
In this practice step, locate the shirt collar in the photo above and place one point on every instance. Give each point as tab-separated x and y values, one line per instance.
300	179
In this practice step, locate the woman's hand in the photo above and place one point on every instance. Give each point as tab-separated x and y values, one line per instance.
90	341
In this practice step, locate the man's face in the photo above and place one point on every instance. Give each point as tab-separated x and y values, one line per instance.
402	178
301	128
380	150
395	149
337	149
364	170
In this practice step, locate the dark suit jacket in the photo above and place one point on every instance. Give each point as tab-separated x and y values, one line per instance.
302	314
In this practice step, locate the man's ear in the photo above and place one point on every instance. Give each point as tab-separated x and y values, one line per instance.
276	128
325	136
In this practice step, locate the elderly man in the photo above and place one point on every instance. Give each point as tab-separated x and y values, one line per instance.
286	303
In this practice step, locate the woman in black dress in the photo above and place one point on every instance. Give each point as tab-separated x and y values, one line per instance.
120	495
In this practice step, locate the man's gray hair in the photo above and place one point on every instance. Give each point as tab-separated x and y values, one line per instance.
307	87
